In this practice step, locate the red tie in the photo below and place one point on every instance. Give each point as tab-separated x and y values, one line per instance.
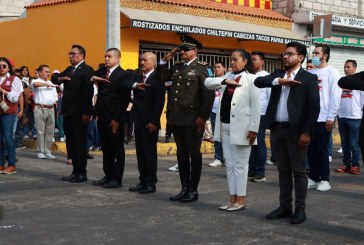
73	71
107	73
144	78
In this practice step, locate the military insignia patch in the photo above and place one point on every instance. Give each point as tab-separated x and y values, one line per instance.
192	73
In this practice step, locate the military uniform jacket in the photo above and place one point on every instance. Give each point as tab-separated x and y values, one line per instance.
190	98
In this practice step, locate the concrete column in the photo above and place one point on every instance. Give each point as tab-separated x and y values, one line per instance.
112	24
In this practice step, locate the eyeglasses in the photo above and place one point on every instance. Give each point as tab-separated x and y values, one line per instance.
289	54
72	54
3	66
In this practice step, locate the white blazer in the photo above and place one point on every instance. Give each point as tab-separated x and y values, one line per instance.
245	107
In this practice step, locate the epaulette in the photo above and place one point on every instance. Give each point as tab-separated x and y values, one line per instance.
202	63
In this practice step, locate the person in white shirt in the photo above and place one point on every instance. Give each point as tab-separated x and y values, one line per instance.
258	154
45	98
219	70
330	93
349	117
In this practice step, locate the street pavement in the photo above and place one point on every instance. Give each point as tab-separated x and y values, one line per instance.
39	208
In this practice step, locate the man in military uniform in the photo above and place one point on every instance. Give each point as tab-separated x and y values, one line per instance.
190	107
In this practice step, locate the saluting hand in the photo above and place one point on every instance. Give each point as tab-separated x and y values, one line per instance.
142	86
251	137
99	79
170	54
232	82
62	79
288	82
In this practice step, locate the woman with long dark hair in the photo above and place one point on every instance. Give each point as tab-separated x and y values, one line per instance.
237	123
10	89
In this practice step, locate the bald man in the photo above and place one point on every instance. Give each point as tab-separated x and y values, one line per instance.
148	106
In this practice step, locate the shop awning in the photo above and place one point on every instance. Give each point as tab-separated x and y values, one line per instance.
182	23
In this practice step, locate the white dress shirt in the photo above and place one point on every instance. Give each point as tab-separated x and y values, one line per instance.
282	111
16	88
264	93
44	95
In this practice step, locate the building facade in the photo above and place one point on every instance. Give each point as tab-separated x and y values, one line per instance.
347	40
12	9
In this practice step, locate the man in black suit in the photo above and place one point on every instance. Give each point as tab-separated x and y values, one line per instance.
77	109
147	110
190	107
112	100
291	116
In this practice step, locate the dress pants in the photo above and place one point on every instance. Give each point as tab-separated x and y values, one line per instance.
112	146
189	156
290	161
361	138
146	149
237	163
44	122
258	155
76	134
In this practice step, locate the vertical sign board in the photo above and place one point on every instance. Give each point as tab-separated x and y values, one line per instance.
322	26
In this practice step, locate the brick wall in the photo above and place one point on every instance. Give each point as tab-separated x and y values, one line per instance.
13	7
352	8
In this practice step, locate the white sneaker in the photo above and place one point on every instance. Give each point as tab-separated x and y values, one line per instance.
312	184
49	156
269	162
340	150
61	139
323	186
53	140
26	136
216	163
40	155
174	168
330	158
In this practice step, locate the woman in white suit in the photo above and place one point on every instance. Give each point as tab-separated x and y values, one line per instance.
237	123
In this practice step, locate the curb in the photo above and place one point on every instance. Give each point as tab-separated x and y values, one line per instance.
163	149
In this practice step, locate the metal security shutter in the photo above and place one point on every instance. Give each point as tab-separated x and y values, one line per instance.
340	55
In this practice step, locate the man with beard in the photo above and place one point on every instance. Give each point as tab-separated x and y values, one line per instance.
291	116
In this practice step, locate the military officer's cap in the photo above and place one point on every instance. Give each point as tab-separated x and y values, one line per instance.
189	43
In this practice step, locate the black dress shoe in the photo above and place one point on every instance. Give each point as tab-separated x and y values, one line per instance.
298	217
179	196
136	188
101	182
113	184
191	196
147	190
279	213
89	156
68	178
79	179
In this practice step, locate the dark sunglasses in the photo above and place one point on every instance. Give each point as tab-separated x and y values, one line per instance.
3	66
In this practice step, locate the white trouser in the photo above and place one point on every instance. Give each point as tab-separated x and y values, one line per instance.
44	122
237	163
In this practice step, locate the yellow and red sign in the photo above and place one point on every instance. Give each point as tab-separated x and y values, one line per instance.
262	4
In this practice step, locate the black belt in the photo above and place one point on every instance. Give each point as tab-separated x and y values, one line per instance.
281	124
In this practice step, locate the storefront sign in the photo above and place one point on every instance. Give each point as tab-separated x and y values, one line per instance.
211	32
342	21
341	41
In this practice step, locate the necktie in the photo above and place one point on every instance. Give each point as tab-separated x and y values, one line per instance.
144	78
107	73
183	67
73	71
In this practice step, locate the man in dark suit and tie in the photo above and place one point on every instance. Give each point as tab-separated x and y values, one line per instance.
112	100
291	116
147	110
77	109
190	107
